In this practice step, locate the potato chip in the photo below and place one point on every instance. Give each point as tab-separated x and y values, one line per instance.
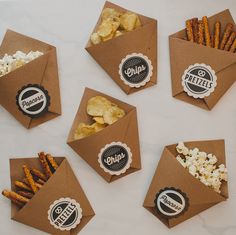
99	120
118	33
138	23
128	21
113	114
95	38
105	28
97	106
83	130
98	127
109	13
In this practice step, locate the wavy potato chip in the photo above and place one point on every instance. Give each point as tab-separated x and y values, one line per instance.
109	13
98	127
105	28
95	38
128	21
113	114
83	130
99	120
97	106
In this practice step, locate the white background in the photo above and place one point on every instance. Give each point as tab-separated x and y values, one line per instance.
162	119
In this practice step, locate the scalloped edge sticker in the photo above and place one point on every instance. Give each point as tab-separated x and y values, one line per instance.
72	206
115	158
170	203
200	81
136	70
25	103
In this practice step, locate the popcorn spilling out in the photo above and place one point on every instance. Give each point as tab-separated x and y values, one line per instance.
202	166
114	24
11	62
103	112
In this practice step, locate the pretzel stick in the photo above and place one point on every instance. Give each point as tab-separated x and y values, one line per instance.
22	185
25	181
39	181
195	29
28	195
206	31
189	30
230	41
38	174
217	35
39	186
30	179
15	197
52	162
200	32
233	47
44	163
227	32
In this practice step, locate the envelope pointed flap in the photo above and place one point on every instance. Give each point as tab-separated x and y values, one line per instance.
184	53
82	116
131	139
14	41
62	183
51	82
89	147
178	177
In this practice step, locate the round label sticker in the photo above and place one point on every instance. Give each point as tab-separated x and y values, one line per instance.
171	202
115	158
199	80
33	100
65	214
135	70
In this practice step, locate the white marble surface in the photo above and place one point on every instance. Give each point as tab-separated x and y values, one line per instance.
162	119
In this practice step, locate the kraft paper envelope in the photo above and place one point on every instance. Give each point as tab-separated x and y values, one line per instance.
171	174
109	54
62	184
42	72
125	130
184	53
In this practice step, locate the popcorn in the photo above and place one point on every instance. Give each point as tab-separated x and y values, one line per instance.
11	62
202	166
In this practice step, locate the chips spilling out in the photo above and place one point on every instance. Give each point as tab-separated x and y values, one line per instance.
33	181
202	166
114	24
198	31
11	62
103	113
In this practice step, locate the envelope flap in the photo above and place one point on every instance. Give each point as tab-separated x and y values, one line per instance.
62	183
14	41
178	177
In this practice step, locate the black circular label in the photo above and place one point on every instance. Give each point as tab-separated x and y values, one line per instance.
171	202
65	214
199	80
33	100
135	70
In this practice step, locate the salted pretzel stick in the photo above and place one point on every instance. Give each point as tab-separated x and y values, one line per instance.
39	181
52	162
230	41
15	197
195	29
217	35
227	32
44	163
30	178
25	181
233	47
200	33
189	30
206	31
22	185
28	195
38	174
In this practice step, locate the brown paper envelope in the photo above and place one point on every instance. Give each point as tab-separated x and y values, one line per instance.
63	183
110	53
124	130
170	173
42	71
184	53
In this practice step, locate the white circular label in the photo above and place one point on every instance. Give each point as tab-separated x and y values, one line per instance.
135	70
199	80
115	158
171	202
33	100
65	214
